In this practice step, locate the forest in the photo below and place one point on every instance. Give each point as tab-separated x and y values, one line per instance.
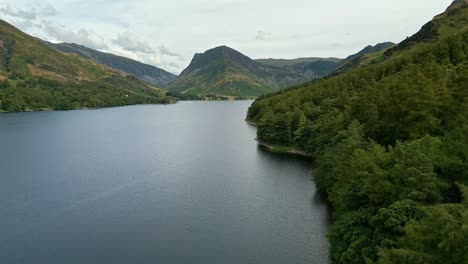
391	147
45	94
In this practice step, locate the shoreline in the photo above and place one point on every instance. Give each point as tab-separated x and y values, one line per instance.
284	149
251	123
290	150
78	109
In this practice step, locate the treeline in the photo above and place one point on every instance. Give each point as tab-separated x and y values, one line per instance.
184	96
391	141
41	94
207	97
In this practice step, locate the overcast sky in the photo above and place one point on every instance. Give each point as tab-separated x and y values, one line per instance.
167	33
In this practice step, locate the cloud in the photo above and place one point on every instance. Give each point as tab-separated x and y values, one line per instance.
262	35
25	24
166	51
81	36
19	13
33	14
49	11
129	41
40	20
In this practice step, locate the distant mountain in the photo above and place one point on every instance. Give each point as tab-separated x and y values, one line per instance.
313	68
35	76
224	71
363	57
368	50
308	68
145	72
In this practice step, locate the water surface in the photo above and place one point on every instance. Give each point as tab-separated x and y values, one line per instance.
182	183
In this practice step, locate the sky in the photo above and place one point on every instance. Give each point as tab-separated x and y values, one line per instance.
168	33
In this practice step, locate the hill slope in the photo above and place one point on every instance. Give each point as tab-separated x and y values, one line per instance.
223	71
368	50
36	76
151	74
309	68
313	68
391	146
366	56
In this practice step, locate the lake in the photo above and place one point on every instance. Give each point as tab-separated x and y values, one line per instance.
182	183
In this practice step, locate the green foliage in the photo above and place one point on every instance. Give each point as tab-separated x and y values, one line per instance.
391	141
43	94
183	97
439	237
39	77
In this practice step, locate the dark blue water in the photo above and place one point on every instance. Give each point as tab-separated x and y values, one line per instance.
182	183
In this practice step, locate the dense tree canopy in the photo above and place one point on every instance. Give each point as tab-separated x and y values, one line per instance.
391	141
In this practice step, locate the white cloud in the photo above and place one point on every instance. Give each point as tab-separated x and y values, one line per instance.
49	11
31	14
172	31
81	36
19	13
166	51
129	41
262	35
39	19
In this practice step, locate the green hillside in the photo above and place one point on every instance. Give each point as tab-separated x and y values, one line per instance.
290	62
148	73
222	71
308	68
35	76
370	54
315	68
391	145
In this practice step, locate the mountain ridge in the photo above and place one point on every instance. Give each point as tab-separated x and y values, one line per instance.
35	76
149	73
225	71
222	71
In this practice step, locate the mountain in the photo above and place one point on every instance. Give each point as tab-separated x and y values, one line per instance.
224	71
35	76
151	74
368	50
390	141
448	23
309	68
363	57
313	68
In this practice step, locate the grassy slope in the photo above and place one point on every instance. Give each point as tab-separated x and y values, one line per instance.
221	77
149	73
40	77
